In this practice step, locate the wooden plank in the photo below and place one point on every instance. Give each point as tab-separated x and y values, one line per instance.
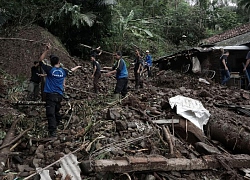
166	121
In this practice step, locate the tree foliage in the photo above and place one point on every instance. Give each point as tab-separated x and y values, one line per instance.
185	25
244	4
32	11
158	25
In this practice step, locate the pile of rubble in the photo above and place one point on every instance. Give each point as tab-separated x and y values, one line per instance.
138	137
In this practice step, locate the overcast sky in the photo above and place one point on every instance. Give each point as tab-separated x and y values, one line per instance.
192	2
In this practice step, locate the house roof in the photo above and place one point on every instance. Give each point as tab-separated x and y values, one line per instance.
195	50
232	33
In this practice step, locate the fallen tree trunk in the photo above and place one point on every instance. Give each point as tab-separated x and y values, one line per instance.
233	135
160	163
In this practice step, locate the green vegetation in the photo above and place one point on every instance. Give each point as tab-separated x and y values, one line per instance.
162	26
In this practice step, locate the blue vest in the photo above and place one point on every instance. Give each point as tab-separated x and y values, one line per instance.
54	80
124	72
148	60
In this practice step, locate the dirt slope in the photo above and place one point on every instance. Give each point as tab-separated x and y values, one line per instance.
19	51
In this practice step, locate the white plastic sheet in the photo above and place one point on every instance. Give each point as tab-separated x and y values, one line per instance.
196	66
44	175
190	109
204	81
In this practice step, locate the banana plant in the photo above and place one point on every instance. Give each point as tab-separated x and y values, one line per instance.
77	17
126	28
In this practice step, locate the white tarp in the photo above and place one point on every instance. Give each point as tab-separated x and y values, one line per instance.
204	81
196	66
44	174
190	109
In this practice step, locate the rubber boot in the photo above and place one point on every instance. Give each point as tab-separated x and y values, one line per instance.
116	98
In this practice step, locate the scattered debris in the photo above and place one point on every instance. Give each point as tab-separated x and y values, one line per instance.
138	137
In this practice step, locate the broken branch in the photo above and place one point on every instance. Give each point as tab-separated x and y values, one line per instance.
167	135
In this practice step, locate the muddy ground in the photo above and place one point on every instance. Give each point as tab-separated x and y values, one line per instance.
95	130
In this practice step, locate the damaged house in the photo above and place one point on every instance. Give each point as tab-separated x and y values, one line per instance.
204	60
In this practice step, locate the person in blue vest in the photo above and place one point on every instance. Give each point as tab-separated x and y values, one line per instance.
54	87
148	62
121	72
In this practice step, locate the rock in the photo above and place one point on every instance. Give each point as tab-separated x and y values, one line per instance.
85	167
69	144
40	155
205	94
58	156
57	142
150	177
50	155
121	153
67	150
129	115
40	149
73	95
36	162
131	125
32	149
49	146
143	144
28	168
245	95
9	176
121	125
33	113
134	134
182	89
21	168
24	174
113	114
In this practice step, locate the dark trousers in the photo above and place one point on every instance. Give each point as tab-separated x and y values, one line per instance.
53	105
121	86
149	70
138	81
33	90
97	76
225	75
